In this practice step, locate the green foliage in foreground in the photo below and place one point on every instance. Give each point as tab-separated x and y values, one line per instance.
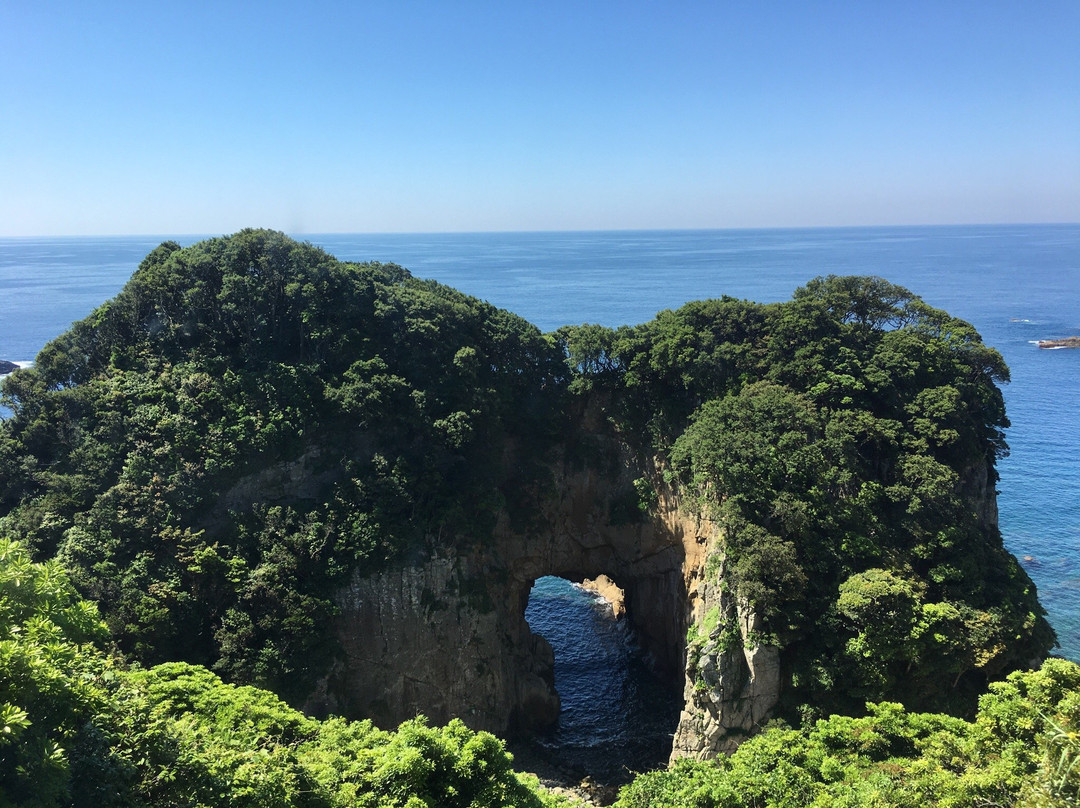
1010	755
78	729
215	452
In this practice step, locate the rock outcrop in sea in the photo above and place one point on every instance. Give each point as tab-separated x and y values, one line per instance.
1067	342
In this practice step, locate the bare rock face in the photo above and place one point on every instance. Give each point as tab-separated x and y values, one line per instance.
445	634
732	680
609	591
416	639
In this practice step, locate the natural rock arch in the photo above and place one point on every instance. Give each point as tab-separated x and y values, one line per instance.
446	635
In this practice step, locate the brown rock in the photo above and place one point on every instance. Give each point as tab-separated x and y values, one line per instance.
1067	342
609	591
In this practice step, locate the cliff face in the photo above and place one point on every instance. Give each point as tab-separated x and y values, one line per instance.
447	636
418	640
732	681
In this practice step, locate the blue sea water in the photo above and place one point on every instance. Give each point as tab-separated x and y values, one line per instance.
617	716
1016	284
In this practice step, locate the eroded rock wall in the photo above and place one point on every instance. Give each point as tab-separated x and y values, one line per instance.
446	636
732	680
440	638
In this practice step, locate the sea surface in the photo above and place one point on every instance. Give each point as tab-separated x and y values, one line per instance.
1016	284
617	717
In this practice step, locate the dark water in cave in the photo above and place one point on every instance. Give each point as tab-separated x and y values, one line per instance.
617	716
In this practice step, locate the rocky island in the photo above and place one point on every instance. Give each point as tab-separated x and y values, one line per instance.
1067	342
7	367
337	482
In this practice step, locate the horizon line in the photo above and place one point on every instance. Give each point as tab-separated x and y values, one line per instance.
541	231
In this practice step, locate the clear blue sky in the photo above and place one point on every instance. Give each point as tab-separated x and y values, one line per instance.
162	117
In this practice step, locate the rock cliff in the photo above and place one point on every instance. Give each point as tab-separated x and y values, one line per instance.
732	679
446	635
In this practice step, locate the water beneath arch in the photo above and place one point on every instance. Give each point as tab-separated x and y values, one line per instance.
617	716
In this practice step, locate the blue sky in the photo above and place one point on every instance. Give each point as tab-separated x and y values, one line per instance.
128	118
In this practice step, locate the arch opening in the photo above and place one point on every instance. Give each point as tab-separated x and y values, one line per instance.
618	714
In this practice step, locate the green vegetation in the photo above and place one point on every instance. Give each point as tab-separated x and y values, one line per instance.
1009	755
211	455
147	442
845	442
79	728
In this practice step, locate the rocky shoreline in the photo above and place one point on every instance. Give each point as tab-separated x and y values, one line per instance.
1067	342
7	367
609	591
567	781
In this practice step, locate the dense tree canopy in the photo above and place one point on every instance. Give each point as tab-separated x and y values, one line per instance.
145	439
210	455
80	728
845	442
1022	749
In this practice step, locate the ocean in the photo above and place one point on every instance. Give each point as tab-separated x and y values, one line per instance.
1015	283
616	715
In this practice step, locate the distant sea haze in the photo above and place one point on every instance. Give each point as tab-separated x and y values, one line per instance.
1016	284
